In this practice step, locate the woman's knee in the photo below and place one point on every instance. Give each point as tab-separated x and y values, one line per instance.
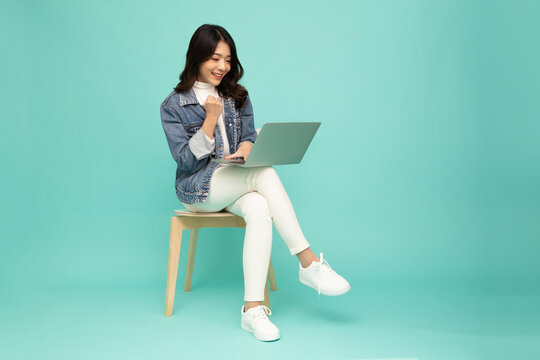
267	173
256	206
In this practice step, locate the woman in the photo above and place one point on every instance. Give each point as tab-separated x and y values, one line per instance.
209	115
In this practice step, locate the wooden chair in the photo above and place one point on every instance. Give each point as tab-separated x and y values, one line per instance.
184	220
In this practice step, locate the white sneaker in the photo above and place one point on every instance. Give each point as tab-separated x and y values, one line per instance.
256	321
321	277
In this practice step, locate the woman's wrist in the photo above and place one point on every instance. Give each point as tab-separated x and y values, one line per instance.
209	125
211	120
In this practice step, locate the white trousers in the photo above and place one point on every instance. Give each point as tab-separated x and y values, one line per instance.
257	195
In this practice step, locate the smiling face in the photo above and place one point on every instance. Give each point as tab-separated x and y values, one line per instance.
213	70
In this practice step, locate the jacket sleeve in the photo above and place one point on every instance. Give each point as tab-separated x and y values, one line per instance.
248	132
179	141
201	145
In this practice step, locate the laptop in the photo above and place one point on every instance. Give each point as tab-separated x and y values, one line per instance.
278	144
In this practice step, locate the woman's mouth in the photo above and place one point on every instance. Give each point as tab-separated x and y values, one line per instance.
217	76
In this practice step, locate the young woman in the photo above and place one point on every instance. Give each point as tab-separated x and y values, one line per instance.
209	115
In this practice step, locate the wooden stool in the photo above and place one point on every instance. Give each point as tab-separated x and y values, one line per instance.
194	221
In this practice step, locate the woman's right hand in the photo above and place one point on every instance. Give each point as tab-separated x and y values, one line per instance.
213	107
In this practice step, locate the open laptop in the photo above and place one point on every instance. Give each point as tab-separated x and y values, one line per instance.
278	144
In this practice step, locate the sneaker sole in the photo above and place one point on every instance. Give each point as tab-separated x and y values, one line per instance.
326	292
261	338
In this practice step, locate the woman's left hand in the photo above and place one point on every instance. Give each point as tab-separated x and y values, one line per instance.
243	151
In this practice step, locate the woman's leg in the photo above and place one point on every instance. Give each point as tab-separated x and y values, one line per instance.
228	185
267	182
231	182
224	190
253	207
230	192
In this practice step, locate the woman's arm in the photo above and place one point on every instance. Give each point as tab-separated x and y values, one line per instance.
179	141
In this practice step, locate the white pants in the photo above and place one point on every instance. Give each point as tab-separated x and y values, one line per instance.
257	195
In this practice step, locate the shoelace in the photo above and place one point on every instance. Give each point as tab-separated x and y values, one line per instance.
262	312
323	269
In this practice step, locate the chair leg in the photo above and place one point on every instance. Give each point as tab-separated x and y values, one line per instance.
191	258
266	300
272	277
174	254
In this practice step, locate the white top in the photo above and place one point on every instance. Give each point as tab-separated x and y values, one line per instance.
202	90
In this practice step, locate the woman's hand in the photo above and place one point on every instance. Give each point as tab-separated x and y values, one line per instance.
213	107
243	151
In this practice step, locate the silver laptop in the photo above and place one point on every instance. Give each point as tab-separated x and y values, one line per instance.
278	144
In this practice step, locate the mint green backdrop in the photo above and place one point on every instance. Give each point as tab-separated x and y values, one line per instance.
423	178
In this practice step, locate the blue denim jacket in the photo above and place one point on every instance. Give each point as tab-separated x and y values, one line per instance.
182	116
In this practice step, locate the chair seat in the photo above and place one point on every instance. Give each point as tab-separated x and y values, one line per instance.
185	212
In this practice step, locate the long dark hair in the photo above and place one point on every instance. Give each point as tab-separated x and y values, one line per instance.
201	48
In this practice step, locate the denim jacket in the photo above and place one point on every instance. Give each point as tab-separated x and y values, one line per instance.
182	117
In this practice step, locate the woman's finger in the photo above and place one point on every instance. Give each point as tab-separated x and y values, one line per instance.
232	155
236	154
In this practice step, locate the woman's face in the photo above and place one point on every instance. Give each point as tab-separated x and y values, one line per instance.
213	70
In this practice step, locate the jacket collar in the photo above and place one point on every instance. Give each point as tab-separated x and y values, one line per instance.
188	97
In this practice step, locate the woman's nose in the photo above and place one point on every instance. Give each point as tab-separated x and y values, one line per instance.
221	65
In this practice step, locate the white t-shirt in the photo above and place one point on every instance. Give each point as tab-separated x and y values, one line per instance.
202	90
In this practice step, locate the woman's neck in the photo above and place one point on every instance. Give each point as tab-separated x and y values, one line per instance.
203	85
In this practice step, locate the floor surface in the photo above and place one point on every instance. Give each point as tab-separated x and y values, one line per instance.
68	322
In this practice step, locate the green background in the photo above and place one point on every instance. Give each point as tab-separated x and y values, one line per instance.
421	186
